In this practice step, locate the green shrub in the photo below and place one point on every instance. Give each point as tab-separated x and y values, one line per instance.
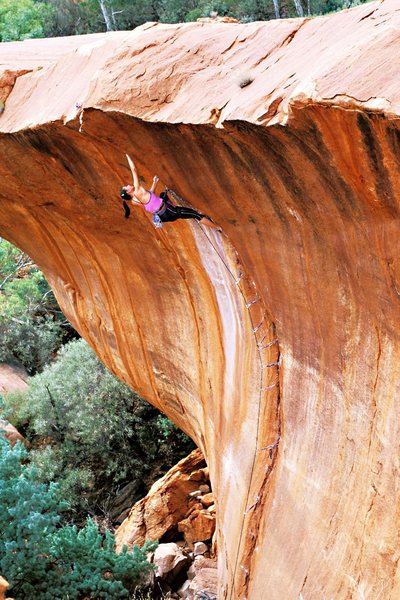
31	342
44	561
23	19
28	516
32	326
91	433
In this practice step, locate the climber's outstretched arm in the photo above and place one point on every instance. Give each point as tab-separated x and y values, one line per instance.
134	172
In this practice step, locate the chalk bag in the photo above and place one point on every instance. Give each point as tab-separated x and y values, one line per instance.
157	222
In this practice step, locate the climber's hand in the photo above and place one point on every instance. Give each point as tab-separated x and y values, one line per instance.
154	184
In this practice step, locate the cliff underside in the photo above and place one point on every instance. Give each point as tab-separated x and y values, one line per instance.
275	342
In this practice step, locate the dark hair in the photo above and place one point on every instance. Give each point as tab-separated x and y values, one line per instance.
126	209
124	194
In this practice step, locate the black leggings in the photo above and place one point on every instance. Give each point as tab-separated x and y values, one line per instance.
172	213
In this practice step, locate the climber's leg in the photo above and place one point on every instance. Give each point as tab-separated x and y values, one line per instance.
173	213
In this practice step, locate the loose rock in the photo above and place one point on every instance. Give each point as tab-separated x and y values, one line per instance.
208	500
204	489
170	561
199	527
200	548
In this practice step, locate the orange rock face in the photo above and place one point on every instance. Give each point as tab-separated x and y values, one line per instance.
198	527
3	587
273	344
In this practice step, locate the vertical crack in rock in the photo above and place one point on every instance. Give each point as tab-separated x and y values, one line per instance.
290	37
268	418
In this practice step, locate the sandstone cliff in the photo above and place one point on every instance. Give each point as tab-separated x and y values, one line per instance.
273	344
3	587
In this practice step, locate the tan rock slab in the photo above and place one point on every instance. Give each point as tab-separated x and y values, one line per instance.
166	504
12	379
199	527
206	580
207	500
169	560
201	562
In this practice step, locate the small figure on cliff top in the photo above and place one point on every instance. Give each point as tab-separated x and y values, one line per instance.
161	207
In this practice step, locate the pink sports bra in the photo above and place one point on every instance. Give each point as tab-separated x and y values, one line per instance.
154	204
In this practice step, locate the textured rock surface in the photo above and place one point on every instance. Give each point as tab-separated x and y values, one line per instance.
198	527
169	560
12	379
167	503
301	168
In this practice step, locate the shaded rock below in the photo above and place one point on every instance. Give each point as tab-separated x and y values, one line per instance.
11	433
12	379
204	584
170	561
122	503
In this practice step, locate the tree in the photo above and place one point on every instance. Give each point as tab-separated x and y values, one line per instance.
43	560
277	9
320	7
106	15
32	326
91	433
28	509
23	19
299	8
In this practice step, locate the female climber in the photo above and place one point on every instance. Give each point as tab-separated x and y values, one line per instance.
161	207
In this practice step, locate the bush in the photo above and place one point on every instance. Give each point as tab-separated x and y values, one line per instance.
92	433
23	19
44	561
28	516
31	343
32	326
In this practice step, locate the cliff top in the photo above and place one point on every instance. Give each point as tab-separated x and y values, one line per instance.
209	72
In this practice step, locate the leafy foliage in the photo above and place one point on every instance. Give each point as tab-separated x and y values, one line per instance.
29	514
28	18
32	327
94	433
23	19
42	560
